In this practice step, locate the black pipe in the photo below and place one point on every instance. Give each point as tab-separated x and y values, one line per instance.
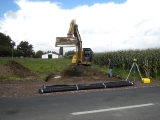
118	84
57	88
91	86
61	88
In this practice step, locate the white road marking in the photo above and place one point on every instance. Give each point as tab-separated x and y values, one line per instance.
112	109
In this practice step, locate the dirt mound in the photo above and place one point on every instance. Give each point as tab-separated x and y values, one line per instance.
5	71
17	69
78	71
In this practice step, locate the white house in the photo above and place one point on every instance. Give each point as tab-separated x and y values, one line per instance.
51	56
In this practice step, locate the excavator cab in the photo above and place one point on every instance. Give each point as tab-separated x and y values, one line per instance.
85	59
87	55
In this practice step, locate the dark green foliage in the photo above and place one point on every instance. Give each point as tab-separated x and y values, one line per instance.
7	48
39	54
26	48
70	54
6	41
6	45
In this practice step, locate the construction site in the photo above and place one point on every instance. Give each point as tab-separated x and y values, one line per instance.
80	75
21	88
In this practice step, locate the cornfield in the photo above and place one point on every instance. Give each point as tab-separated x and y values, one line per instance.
123	59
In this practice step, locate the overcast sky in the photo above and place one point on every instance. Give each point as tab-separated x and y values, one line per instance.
104	25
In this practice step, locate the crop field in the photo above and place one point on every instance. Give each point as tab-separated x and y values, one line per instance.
147	60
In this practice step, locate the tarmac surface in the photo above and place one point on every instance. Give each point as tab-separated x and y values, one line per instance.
125	104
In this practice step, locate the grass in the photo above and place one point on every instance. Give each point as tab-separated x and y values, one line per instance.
40	67
121	72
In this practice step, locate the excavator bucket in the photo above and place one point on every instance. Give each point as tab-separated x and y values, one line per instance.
66	42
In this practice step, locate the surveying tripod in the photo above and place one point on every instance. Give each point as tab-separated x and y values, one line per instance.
134	65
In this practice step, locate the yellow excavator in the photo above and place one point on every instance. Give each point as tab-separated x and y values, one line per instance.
83	55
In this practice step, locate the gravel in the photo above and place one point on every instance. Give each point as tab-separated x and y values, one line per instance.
17	89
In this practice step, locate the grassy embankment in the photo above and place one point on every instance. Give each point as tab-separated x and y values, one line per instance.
40	67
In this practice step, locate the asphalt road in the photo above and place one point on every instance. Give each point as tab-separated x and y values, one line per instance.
128	104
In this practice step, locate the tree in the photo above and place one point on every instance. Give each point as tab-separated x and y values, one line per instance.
6	45
5	40
61	51
17	53
69	54
26	48
39	54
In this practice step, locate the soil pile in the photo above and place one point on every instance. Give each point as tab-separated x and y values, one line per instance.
81	70
75	73
17	69
5	71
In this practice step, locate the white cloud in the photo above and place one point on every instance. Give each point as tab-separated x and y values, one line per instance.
134	24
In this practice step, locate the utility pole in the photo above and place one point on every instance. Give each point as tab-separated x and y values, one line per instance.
12	51
12	47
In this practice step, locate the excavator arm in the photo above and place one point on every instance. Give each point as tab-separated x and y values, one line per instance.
70	40
79	45
74	32
71	29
